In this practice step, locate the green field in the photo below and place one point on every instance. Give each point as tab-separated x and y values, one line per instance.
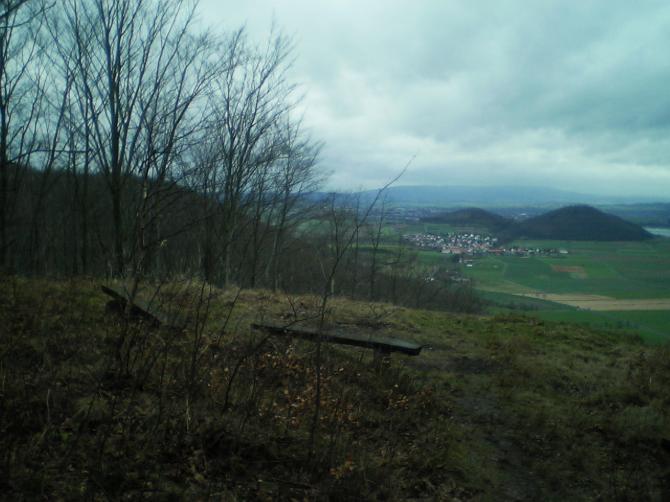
635	271
622	279
652	325
623	271
617	270
503	302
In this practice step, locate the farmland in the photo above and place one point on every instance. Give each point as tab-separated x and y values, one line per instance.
622	286
617	270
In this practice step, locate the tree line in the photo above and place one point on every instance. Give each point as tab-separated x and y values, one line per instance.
136	143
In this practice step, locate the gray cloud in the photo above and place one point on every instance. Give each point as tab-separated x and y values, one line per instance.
568	94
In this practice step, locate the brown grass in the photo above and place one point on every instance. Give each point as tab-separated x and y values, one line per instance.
575	271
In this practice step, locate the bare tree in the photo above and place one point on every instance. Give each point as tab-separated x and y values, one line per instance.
140	72
295	176
144	127
9	8
21	103
375	241
344	230
262	206
250	98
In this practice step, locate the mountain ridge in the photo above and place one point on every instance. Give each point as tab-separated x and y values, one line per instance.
490	196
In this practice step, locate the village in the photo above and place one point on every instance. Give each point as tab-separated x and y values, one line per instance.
469	244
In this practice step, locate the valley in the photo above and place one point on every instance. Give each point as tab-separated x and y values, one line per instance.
618	285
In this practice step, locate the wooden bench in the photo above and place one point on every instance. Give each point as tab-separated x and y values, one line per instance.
138	309
381	346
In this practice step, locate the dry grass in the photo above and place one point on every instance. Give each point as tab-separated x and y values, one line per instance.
506	407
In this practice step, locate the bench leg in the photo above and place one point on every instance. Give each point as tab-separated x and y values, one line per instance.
381	359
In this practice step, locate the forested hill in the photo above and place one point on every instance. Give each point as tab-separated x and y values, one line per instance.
577	223
471	216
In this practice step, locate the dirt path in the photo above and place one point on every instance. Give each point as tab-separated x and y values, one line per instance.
489	422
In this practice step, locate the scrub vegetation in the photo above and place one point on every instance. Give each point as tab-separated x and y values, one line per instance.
99	406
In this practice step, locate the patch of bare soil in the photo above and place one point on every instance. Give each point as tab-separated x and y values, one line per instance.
576	272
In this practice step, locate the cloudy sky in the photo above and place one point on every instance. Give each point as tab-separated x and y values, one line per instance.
571	94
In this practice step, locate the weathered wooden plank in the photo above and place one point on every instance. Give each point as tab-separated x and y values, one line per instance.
137	307
378	344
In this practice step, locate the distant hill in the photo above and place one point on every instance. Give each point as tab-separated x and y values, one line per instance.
656	214
578	223
471	216
494	196
507	200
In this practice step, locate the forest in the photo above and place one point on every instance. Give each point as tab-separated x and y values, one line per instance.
136	144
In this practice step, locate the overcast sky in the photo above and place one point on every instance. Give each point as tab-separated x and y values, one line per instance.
571	94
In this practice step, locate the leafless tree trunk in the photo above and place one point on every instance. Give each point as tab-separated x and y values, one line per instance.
20	103
140	71
250	99
262	209
295	177
375	239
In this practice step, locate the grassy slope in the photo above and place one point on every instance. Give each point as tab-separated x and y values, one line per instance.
652	325
508	407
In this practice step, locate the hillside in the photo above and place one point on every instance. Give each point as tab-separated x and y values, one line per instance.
471	216
577	223
100	407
